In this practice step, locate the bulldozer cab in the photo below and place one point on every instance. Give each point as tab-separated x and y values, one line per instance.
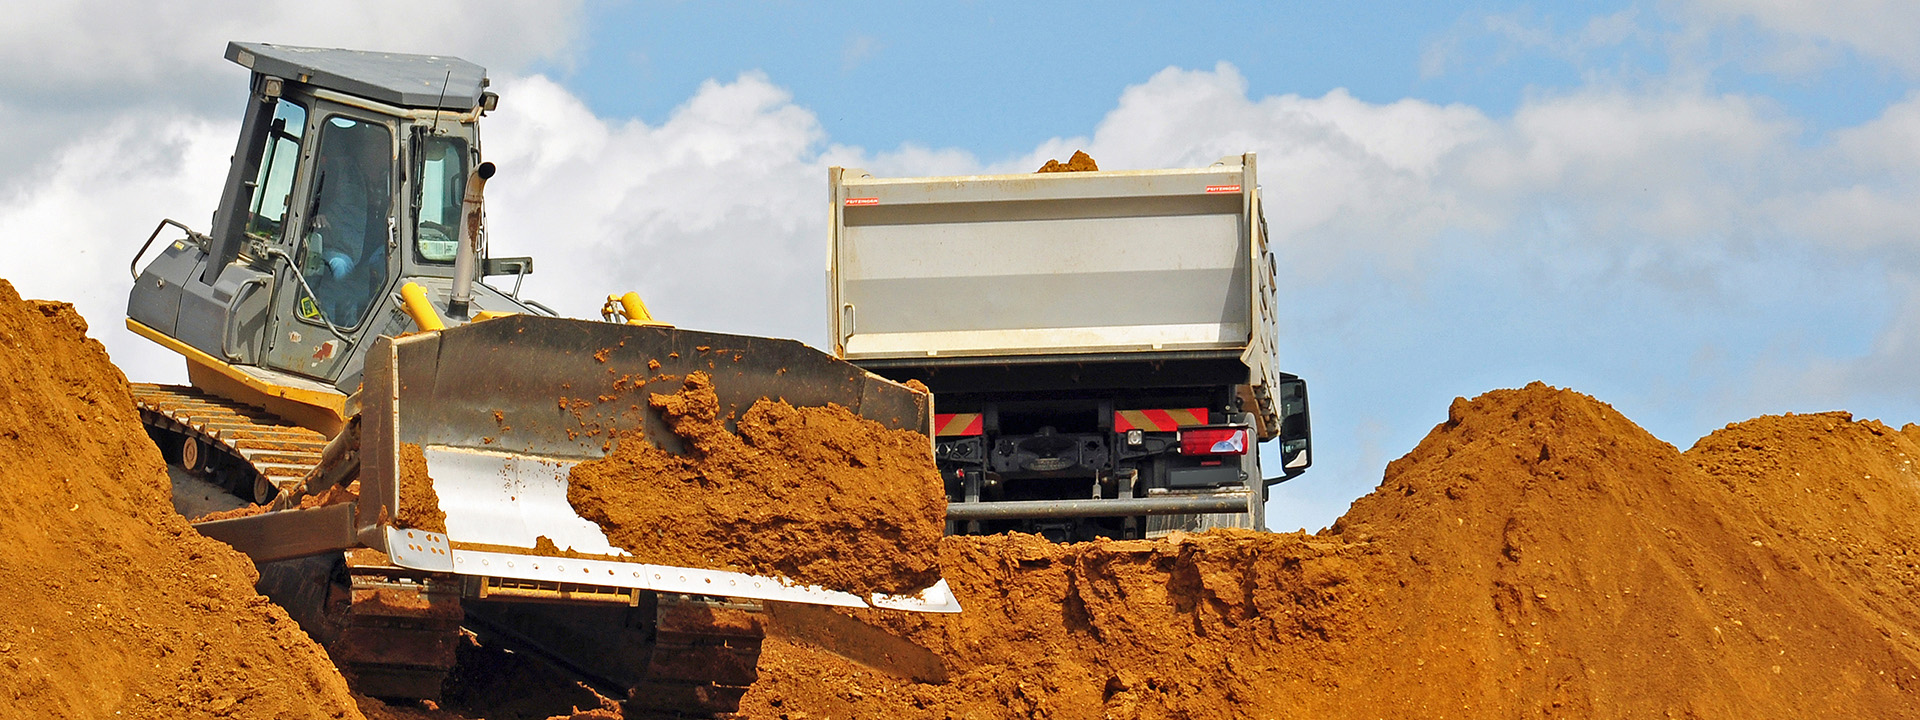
348	181
355	194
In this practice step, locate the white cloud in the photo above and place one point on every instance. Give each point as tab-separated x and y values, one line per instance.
83	64
1882	29
857	50
717	216
72	236
1525	33
100	46
1333	163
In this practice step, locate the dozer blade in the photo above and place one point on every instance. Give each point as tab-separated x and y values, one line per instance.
503	409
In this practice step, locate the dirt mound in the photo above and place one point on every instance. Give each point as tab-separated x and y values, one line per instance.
1841	500
1196	626
1569	562
1080	162
114	606
1536	555
818	495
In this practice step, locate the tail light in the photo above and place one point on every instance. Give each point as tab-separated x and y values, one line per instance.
1214	441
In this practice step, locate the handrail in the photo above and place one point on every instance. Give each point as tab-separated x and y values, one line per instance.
133	267
233	306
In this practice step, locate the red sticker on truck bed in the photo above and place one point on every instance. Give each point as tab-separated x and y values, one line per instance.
856	202
1223	188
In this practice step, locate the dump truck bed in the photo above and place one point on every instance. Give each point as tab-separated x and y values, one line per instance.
1044	268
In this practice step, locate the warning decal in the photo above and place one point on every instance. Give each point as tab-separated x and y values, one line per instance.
952	424
1158	420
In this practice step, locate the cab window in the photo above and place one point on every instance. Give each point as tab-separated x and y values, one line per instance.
273	188
344	253
437	199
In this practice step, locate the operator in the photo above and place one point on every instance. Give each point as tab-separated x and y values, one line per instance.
349	230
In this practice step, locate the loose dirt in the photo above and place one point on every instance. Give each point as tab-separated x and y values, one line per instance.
1080	162
1537	555
419	504
113	606
817	495
332	496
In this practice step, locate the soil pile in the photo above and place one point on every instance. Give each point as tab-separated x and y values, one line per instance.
1080	162
1536	555
113	606
818	495
1842	499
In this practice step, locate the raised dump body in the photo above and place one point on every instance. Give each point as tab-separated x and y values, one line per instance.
1101	345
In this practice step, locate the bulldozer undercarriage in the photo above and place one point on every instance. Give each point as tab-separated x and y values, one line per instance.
245	450
395	632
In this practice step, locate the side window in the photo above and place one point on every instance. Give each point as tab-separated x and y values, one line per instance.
437	200
274	187
344	253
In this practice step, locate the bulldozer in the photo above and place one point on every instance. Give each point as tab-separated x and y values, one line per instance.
340	325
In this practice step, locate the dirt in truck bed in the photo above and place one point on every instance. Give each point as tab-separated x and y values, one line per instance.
1080	162
1537	555
817	495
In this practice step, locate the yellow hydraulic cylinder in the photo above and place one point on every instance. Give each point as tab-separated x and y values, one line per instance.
419	309
636	311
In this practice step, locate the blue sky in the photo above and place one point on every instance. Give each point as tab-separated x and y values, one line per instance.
995	78
1697	210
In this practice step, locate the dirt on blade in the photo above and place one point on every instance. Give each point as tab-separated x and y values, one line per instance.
817	495
419	504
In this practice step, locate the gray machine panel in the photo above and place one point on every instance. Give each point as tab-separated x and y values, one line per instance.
414	81
155	299
212	320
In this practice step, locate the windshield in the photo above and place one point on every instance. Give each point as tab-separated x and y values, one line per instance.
443	184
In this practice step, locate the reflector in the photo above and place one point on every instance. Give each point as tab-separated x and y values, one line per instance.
1213	441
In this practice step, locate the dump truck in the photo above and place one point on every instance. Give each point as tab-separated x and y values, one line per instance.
340	331
1100	345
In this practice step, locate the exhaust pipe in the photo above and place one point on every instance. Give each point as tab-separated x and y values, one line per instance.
464	258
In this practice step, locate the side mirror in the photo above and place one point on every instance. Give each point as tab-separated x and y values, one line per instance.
1296	432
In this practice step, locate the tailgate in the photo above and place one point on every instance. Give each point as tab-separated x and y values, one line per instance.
1043	264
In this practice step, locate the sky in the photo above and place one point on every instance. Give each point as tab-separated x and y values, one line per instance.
1699	211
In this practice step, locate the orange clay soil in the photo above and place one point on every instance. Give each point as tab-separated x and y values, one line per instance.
113	606
419	504
1537	555
1080	162
332	496
818	495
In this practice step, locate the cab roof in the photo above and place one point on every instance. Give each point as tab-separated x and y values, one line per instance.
410	81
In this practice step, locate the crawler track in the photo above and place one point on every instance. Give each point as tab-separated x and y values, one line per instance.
395	631
250	452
